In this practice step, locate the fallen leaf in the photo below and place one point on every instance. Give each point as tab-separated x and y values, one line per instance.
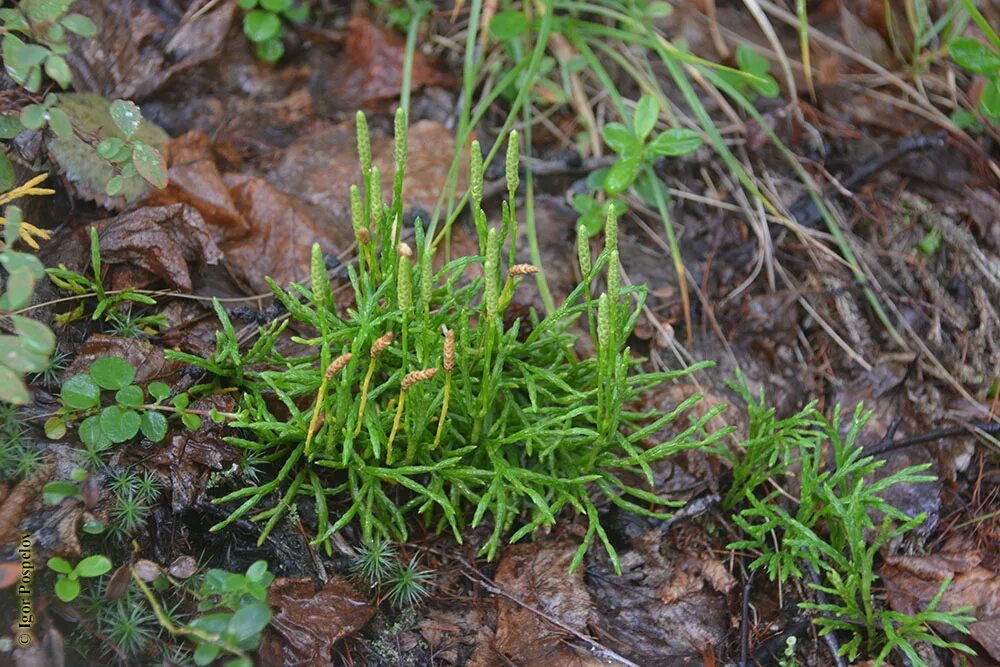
195	180
307	623
162	240
125	53
145	356
321	166
189	457
537	576
373	69
281	235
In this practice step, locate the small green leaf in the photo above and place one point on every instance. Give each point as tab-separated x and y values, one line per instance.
647	111
931	242
621	176
108	148
297	12
7	177
39	11
247	4
206	653
973	55
276	6
60	565
80	392
618	137
58	70
181	401
20	286
159	390
126	116
13	20
67	589
766	85
150	164
260	26
12	387
93	566
257	570
55	428
192	421
154	426
112	372
508	25
990	100
751	61
10	126
33	116
22	61
659	10
247	623
130	396
92	527
38	338
114	186
675	142
54	493
119	424
80	25
270	50
92	435
60	123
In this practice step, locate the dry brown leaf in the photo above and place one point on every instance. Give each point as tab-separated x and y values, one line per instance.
145	356
195	180
189	457
537	575
373	68
161	240
307	623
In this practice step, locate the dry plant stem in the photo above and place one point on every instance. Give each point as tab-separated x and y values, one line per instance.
335	366
377	348
164	620
449	365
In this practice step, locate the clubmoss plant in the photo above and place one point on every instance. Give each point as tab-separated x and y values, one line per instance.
835	528
429	399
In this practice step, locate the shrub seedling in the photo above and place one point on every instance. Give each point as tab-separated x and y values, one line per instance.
68	578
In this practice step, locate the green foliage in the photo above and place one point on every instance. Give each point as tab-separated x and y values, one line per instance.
108	305
754	75
19	457
102	426
823	531
27	350
56	491
980	58
127	623
499	416
34	40
129	154
232	614
377	564
262	24
408	585
110	150
68	579
398	15
636	153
